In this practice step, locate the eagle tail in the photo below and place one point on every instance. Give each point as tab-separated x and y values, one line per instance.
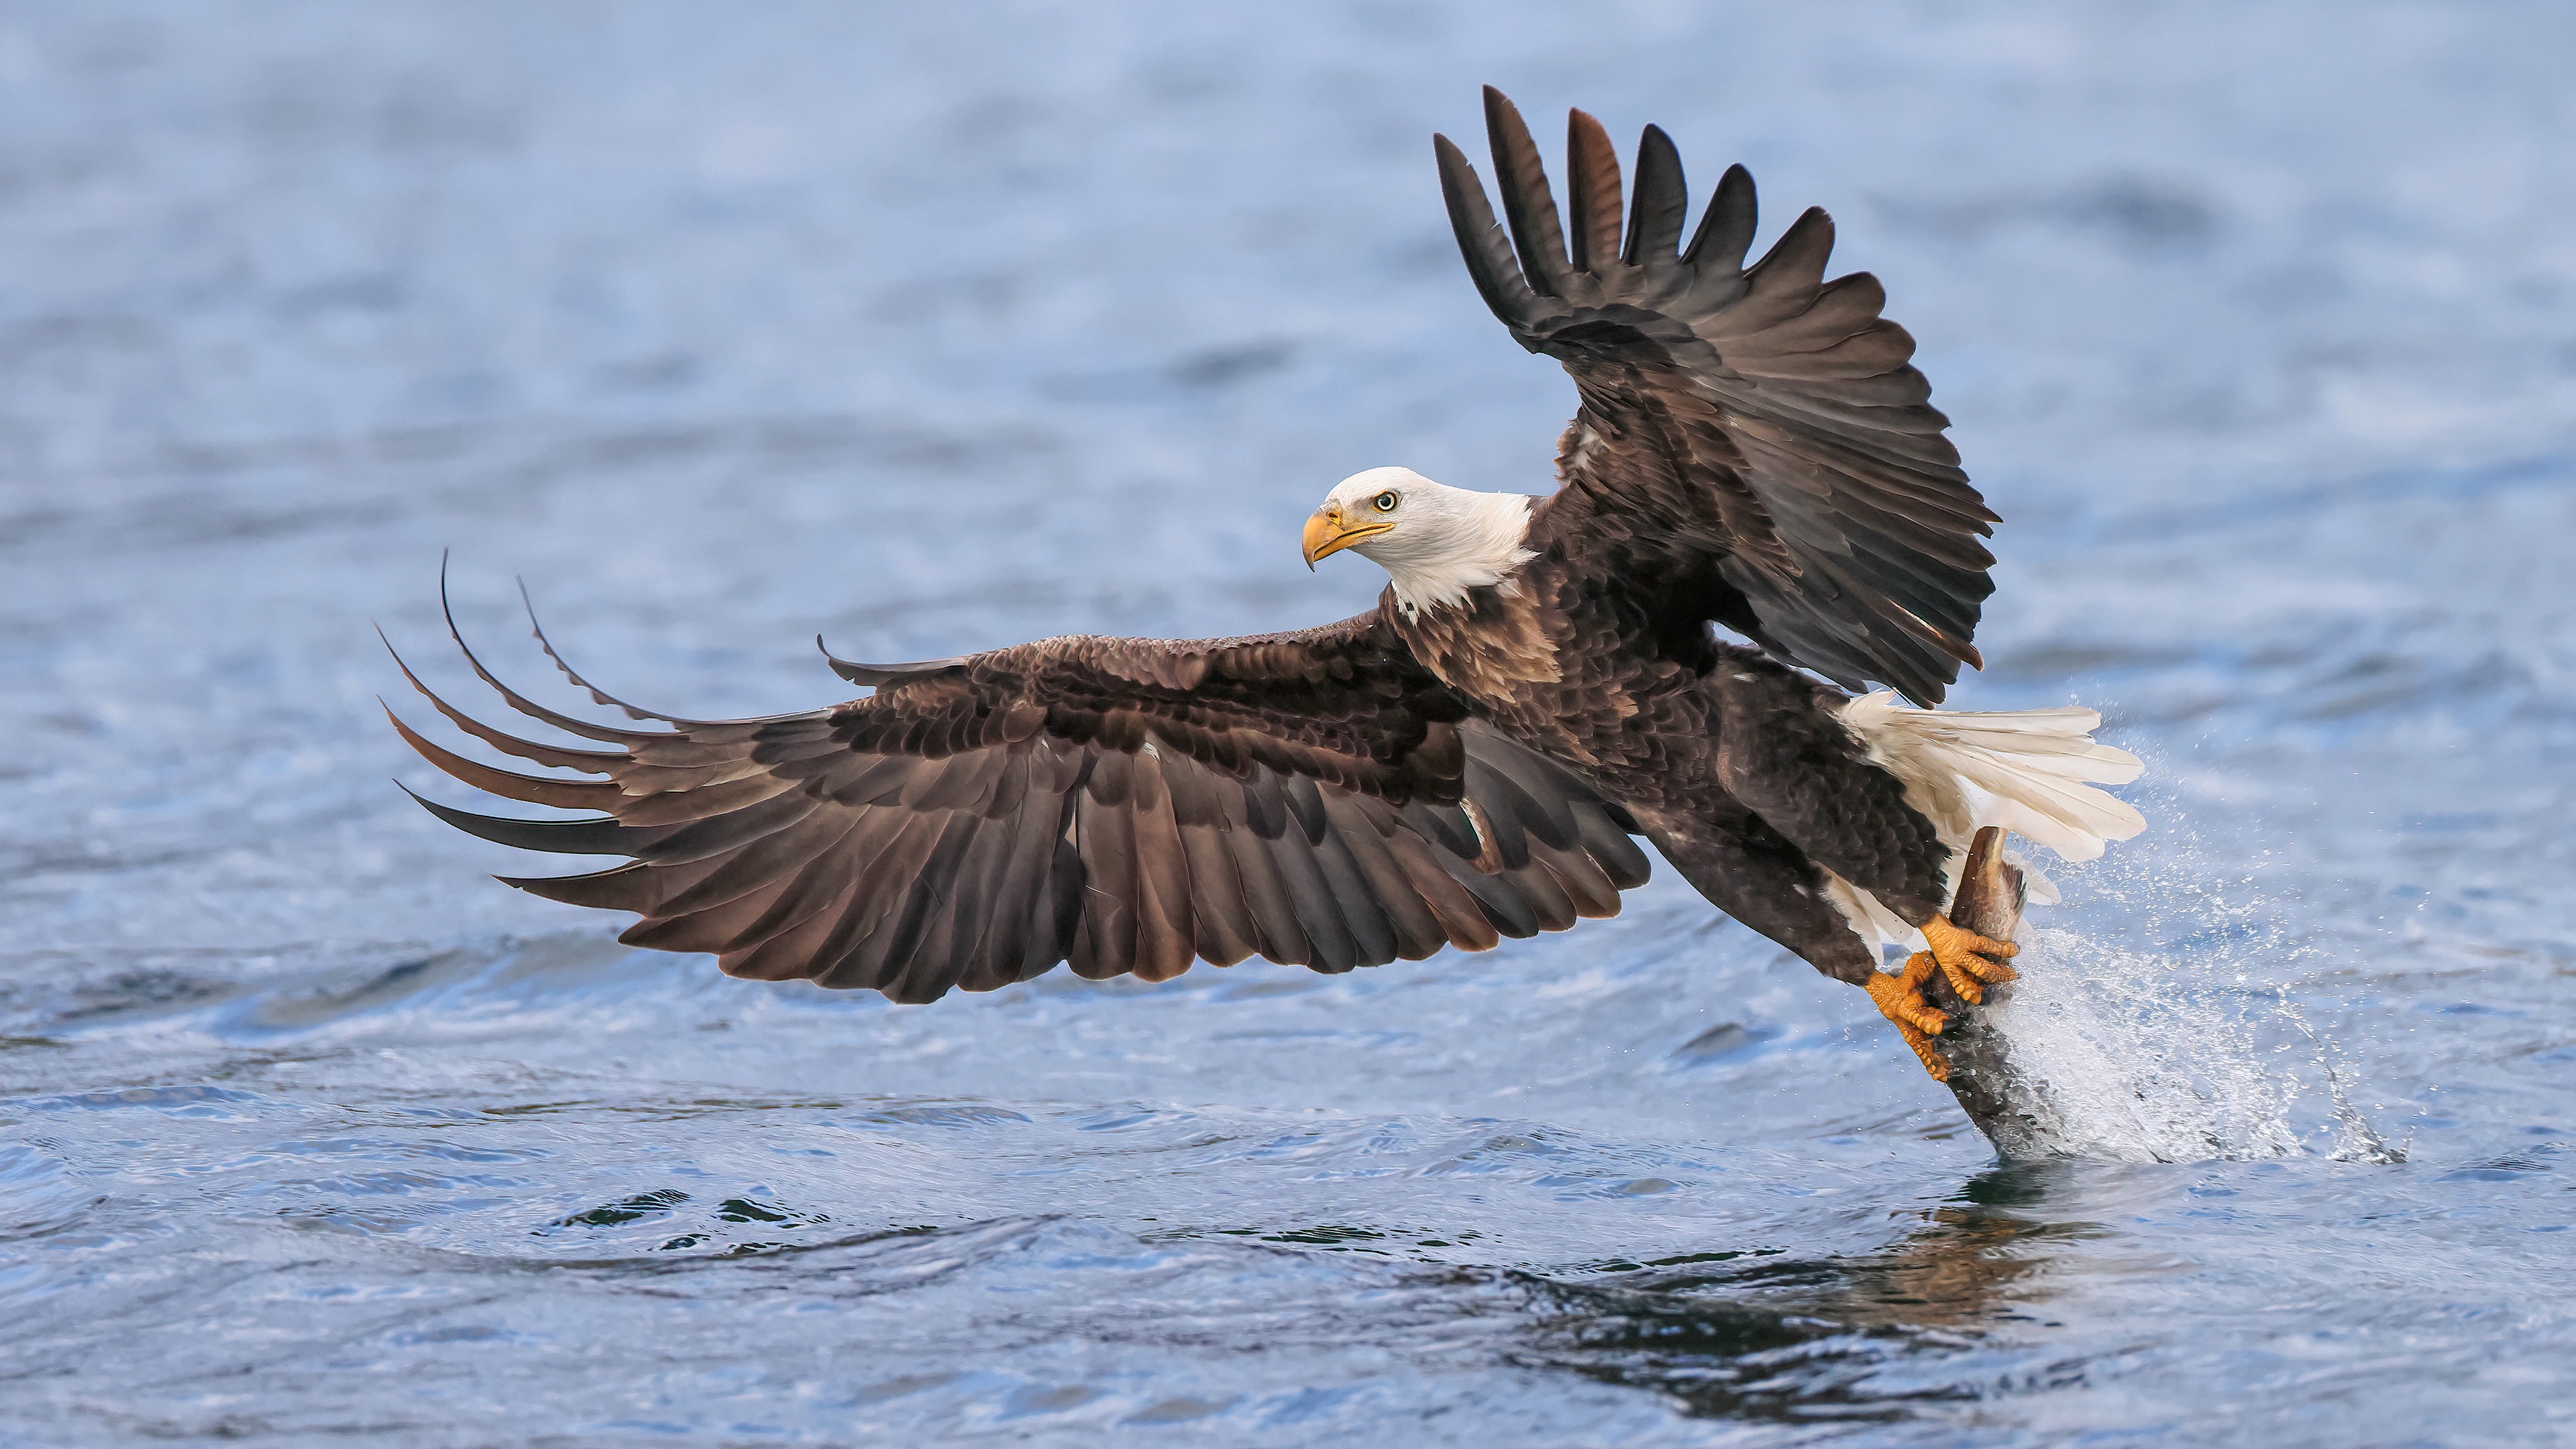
2029	771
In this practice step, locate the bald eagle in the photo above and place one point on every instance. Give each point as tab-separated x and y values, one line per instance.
1541	681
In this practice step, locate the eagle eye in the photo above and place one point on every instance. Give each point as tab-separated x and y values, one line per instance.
1386	501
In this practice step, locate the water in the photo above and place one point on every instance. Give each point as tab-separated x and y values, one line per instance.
938	332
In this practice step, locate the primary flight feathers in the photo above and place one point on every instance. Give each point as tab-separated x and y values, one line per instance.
1756	434
1124	804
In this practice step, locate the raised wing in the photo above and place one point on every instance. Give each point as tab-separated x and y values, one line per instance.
1752	441
1126	805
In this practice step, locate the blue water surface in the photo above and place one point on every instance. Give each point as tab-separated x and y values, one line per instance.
938	328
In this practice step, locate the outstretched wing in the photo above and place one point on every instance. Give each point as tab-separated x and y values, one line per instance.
1128	805
1752	441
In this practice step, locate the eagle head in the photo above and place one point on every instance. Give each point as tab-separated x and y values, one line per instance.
1434	541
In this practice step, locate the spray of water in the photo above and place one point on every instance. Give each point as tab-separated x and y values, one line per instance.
2159	1025
2116	1063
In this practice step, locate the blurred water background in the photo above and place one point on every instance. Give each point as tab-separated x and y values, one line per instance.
940	328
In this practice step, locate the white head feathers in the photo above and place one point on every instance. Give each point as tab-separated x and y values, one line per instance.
1434	541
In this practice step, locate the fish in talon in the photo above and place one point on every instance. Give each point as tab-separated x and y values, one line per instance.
1975	1053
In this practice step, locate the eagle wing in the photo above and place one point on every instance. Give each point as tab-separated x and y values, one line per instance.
1127	805
1752	442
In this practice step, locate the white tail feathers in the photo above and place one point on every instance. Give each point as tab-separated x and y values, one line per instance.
2030	771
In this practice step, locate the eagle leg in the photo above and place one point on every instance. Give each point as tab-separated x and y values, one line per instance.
1963	957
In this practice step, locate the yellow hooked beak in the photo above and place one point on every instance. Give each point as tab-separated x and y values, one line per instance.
1327	533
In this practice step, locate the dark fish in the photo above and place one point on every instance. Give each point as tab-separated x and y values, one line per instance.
2005	1106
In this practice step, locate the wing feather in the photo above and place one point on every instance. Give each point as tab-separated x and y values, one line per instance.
1125	806
1725	230
1661	207
1527	200
628	887
1330	944
1266	899
1592	184
1166	928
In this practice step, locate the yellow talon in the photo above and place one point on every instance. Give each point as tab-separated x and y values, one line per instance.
1899	998
1962	956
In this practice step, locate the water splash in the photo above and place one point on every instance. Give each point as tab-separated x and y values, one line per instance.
2117	1056
2156	1019
2125	1055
